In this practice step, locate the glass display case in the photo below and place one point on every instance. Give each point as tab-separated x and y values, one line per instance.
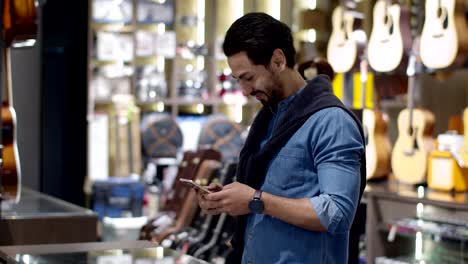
40	218
408	224
139	252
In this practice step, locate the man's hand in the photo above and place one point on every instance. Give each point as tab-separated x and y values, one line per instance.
202	202
233	199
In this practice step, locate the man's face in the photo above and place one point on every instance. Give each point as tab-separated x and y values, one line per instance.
256	80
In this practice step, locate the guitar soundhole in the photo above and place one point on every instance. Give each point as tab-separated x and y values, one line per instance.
388	21
342	25
391	30
415	143
442	15
412	132
345	35
445	23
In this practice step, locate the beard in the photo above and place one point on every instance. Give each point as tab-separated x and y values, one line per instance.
272	92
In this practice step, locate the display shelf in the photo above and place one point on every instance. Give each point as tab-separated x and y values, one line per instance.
145	61
194	101
152	27
113	27
101	63
418	194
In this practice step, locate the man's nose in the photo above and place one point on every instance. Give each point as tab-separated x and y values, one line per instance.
246	90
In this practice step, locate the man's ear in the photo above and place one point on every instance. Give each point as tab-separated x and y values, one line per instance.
278	60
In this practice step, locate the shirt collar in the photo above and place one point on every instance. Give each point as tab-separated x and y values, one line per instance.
285	103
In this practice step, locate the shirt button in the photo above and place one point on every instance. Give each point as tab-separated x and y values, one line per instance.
250	236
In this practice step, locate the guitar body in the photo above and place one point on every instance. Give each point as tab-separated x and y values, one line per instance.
19	21
342	48
378	147
410	152
444	36
386	46
19	28
11	175
464	151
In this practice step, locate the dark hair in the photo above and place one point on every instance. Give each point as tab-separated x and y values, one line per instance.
259	34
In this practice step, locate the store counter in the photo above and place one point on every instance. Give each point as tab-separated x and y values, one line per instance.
41	219
123	252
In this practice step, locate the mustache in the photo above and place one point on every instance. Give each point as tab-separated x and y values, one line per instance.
254	93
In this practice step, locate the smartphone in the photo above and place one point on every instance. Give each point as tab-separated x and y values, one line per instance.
194	185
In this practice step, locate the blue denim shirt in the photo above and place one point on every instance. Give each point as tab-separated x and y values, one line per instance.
320	161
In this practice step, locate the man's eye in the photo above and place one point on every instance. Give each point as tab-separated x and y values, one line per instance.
249	78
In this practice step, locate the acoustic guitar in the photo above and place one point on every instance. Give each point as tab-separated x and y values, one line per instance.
378	149
444	38
390	36
19	28
414	142
342	49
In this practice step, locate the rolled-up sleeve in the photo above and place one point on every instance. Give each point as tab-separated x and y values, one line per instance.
337	147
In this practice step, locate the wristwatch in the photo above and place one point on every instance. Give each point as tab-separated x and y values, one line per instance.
256	205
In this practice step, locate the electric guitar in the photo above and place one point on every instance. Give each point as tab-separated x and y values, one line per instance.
414	142
342	48
19	28
444	37
390	36
378	147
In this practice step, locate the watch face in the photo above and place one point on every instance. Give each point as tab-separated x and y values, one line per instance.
256	206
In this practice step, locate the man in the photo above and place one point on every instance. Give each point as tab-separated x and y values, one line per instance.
300	173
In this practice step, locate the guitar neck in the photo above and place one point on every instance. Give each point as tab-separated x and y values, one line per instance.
411	72
7	76
363	78
410	103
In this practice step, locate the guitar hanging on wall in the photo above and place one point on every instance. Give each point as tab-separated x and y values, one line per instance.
378	147
19	29
444	38
342	49
415	127
390	36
